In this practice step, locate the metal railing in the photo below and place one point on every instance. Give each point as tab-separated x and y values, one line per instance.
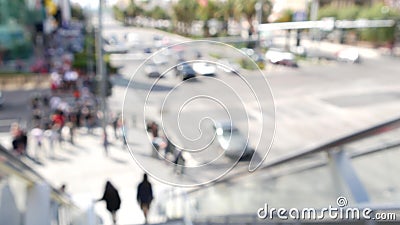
335	155
20	183
377	129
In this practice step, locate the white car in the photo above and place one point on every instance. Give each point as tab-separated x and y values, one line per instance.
279	57
203	68
132	40
112	45
231	140
350	55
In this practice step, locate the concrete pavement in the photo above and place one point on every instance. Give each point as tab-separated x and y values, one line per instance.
84	168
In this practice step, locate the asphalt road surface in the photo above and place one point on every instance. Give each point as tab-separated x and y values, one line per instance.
315	103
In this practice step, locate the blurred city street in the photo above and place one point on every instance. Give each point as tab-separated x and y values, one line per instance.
326	102
166	94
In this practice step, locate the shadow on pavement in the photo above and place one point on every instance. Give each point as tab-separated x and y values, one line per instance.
60	159
117	160
36	161
123	82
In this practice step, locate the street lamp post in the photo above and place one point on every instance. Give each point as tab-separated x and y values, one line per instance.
101	75
258	8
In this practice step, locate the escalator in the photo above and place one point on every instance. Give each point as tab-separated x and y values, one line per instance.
356	175
26	198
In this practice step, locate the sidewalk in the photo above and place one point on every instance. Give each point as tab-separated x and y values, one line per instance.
85	168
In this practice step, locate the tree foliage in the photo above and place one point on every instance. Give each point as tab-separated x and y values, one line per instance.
286	16
185	12
379	35
159	13
377	11
118	13
133	10
230	9
77	12
209	11
248	8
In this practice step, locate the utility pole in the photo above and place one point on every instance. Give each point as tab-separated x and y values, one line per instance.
258	7
314	15
101	75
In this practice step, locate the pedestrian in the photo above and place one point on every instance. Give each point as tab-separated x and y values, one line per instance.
37	135
113	200
115	124
36	117
154	129
123	131
20	140
58	118
52	136
77	94
145	196
35	103
105	143
179	163
71	129
169	149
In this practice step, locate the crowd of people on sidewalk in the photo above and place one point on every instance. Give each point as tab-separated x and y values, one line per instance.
55	119
69	105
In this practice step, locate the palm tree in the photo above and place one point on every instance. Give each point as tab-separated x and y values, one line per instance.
249	12
230	9
207	12
133	10
185	13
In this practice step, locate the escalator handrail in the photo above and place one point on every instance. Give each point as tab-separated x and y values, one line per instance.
24	171
356	136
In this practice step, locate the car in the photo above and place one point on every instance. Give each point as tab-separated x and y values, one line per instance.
279	57
231	140
1	99
132	40
185	71
157	40
112	45
204	68
350	55
160	59
147	50
152	71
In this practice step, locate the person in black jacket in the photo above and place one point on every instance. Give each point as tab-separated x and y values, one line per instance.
112	199
144	196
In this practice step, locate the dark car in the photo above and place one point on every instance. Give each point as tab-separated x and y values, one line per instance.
152	71
1	99
185	71
147	50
